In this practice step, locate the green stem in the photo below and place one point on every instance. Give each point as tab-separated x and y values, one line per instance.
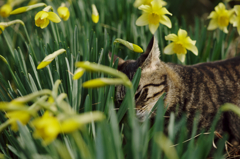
29	41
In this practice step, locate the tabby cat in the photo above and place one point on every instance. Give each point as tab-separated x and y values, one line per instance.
200	88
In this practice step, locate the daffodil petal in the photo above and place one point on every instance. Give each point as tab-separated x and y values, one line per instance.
169	49
153	27
172	37
156	6
44	15
165	11
219	7
213	14
38	15
145	8
237	9
182	33
212	25
181	57
192	48
53	17
189	40
142	20
166	21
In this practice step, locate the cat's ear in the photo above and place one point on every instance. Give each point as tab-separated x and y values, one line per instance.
120	60
151	55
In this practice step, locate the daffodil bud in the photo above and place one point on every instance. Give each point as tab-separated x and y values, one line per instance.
100	82
21	116
78	73
108	70
5	10
48	59
27	8
63	12
129	45
95	15
3	59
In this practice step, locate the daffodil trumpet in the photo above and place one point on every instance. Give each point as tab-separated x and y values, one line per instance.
100	68
27	8
129	45
48	59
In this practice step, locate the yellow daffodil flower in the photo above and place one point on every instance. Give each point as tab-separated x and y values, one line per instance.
78	73
129	45
14	116
2	28
153	15
180	44
48	59
138	3
101	82
220	18
63	12
5	10
46	127
42	18
235	20
95	15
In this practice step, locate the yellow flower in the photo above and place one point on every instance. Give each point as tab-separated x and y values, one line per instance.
14	116
129	45
138	3
69	125
220	18
63	12
78	73
180	44
46	127
95	15
42	18
153	15
1	29
48	59
235	20
5	10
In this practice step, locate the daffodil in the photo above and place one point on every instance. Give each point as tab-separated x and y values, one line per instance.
42	18
236	18
129	45
63	12
220	18
138	3
48	59
1	29
46	127
95	15
153	15
78	73
21	116
181	43
5	10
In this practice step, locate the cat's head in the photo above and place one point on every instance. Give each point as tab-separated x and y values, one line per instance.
153	82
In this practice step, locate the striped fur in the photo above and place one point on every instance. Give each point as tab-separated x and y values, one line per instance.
198	88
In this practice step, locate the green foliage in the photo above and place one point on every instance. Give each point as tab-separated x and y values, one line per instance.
121	135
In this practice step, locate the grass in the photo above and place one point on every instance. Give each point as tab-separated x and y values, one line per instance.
120	135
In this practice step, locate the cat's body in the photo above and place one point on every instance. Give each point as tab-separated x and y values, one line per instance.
199	88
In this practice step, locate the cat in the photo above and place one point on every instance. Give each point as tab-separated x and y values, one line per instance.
199	88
